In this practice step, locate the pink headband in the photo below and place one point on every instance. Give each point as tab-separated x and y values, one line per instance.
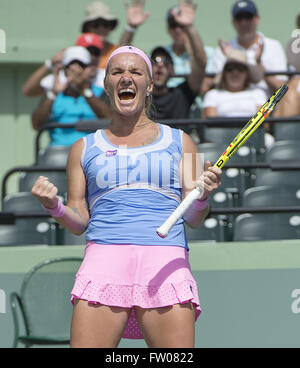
132	50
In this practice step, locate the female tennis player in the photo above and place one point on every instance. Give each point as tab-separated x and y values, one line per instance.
132	283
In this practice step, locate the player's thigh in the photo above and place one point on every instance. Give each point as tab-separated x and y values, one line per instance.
168	327
97	325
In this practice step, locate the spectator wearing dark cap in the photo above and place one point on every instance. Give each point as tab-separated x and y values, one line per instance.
266	52
77	98
42	79
100	20
173	102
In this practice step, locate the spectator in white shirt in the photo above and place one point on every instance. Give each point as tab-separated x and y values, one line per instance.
233	96
263	51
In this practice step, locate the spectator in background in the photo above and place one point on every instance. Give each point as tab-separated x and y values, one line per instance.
267	53
75	99
101	21
179	49
233	96
172	102
175	102
290	103
41	81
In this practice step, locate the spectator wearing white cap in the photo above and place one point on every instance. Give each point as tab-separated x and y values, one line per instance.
42	79
261	50
77	98
100	20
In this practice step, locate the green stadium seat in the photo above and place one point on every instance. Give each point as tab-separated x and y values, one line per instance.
59	179
275	226
284	150
53	156
273	196
263	177
286	131
45	322
28	231
22	202
213	229
224	136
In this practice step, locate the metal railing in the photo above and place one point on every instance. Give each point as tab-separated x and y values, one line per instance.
93	125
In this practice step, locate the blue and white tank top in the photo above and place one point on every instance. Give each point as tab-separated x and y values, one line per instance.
131	191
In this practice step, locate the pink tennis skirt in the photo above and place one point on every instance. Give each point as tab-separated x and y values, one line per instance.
135	275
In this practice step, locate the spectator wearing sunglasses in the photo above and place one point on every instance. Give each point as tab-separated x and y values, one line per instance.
101	21
233	95
76	98
267	53
174	102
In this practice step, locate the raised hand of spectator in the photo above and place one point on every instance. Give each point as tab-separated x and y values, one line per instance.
58	85
135	13
259	51
56	60
225	47
185	16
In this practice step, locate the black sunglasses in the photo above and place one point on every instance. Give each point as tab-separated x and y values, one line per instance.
235	66
102	22
241	16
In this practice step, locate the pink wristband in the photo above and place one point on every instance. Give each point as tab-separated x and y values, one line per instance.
199	204
57	211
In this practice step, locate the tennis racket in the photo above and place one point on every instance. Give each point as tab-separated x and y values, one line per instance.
237	142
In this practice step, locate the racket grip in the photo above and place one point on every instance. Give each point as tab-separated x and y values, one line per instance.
164	229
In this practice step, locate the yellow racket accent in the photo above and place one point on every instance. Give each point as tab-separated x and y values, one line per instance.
251	126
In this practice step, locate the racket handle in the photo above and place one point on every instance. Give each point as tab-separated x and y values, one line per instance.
164	229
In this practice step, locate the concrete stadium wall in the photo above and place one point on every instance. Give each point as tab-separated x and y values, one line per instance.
36	29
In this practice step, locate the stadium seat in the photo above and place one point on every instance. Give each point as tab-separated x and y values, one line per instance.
224	136
284	150
285	195
257	227
234	181
53	156
287	131
59	179
22	202
213	229
67	238
45	323
28	231
263	177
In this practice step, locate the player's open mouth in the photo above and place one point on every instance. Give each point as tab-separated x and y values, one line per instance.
126	94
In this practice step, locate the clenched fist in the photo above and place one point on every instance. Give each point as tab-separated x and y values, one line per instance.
46	192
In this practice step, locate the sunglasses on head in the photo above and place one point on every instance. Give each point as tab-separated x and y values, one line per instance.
241	16
103	23
235	66
161	59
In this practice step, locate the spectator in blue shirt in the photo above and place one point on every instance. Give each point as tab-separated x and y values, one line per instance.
77	98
